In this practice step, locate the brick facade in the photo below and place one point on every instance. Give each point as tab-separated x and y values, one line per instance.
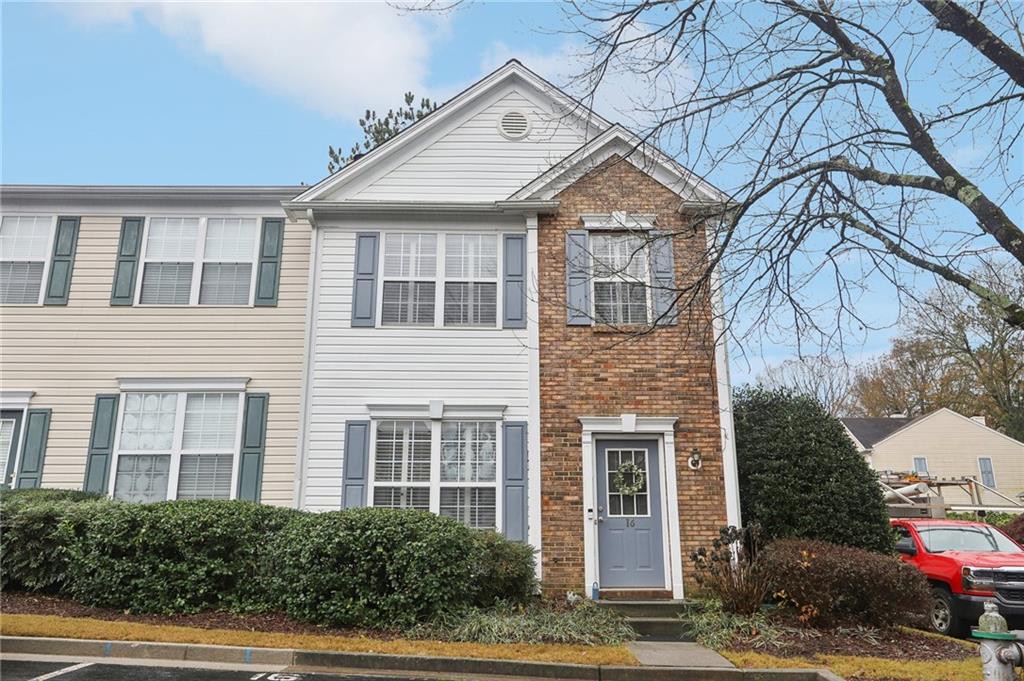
587	371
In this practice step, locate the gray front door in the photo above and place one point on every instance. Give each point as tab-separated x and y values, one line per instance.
630	540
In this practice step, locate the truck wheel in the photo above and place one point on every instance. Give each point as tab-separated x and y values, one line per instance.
943	615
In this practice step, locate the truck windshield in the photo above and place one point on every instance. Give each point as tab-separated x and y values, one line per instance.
974	538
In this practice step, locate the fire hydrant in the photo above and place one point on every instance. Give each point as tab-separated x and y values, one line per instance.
999	647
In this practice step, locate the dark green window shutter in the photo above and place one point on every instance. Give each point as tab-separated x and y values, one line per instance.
354	468
254	440
59	285
364	280
514	286
269	276
123	290
577	277
33	448
101	443
514	514
663	279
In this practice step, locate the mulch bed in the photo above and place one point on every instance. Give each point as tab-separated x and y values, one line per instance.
23	603
897	644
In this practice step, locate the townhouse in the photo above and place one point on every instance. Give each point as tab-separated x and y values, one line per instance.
478	318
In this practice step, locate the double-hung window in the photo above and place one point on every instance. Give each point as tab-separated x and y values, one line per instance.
177	445
25	244
196	260
470	279
988	474
410	270
620	278
447	467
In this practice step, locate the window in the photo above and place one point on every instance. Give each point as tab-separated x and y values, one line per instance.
920	465
627	504
24	254
471	280
204	261
410	268
988	475
407	467
620	278
177	446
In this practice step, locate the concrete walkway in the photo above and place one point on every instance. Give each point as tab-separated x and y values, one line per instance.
677	654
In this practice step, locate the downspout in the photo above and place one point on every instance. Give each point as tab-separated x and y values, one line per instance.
305	397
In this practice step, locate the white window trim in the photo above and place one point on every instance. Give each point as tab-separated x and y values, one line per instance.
437	409
134	384
913	464
618	221
47	259
435	483
176	450
620	277
981	473
16	400
198	259
439	278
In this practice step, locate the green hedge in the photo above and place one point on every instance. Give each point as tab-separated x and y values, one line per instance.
364	567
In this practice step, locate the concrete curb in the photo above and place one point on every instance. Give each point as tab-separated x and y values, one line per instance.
401	663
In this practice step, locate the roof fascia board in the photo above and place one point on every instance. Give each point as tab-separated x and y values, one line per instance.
325	209
971	421
21	192
856	441
445	113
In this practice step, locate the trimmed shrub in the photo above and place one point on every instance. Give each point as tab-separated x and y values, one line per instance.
372	567
800	475
826	582
505	571
169	557
583	623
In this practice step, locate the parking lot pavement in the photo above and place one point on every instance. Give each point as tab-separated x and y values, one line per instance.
20	670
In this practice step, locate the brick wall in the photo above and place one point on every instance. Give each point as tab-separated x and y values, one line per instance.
586	371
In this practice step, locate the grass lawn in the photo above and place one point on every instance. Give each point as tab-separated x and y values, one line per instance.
104	630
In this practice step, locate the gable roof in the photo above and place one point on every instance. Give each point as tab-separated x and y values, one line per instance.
969	422
870	430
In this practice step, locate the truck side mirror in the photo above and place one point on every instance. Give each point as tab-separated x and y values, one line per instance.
906	549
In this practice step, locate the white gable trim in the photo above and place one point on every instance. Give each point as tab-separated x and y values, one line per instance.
442	117
860	445
646	158
966	419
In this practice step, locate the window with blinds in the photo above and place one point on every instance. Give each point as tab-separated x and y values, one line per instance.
198	260
620	278
188	437
24	252
408	290
467	459
471	280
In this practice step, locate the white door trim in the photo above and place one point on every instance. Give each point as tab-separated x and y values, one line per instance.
631	425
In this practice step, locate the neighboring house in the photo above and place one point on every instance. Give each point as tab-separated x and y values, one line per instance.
943	444
468	344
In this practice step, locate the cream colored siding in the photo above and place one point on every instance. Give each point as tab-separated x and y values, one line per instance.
952	444
69	354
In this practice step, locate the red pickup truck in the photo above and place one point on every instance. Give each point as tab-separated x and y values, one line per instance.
967	564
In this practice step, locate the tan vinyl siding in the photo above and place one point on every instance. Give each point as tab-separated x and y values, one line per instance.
952	444
69	354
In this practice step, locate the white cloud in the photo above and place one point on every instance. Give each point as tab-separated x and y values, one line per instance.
337	58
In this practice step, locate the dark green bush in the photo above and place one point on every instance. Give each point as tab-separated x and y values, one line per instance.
826	583
505	571
372	567
800	475
176	556
1015	528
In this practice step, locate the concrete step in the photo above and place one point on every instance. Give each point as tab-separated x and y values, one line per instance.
670	608
660	628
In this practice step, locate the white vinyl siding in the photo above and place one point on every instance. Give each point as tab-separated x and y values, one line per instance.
405	460
177	446
620	278
199	260
25	245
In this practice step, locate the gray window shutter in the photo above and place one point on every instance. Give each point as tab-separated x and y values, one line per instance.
577	277
364	282
354	468
254	438
514	513
514	291
59	286
268	276
663	279
33	448
101	443
123	290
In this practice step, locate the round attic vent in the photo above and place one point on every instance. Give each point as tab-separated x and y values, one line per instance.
514	125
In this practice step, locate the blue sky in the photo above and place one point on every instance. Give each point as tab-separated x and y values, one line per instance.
232	93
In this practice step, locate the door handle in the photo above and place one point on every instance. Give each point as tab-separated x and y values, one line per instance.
600	518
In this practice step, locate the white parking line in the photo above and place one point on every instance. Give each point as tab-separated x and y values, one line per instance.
61	672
